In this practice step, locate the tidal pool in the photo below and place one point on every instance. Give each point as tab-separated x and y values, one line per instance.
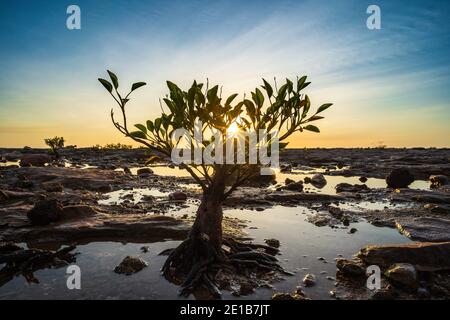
302	244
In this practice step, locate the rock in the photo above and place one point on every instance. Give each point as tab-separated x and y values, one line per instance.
272	242
352	230
8	247
130	265
288	296
178	196
347	187
45	212
350	267
403	274
318	181
438	181
294	186
307	180
424	256
285	168
309	280
399	178
127	170
424	229
35	160
423	293
363	179
144	171
245	288
144	249
382	294
288	181
319	220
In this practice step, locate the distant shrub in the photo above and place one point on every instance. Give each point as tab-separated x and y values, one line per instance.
112	146
55	144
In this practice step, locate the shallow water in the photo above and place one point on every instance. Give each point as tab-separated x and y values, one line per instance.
301	245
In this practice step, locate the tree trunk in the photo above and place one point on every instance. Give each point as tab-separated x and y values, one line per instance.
208	222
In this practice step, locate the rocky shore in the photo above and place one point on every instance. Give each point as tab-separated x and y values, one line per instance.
110	195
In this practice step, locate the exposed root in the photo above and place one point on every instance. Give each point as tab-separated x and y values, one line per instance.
195	264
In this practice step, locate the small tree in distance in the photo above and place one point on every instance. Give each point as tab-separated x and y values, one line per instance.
286	109
55	144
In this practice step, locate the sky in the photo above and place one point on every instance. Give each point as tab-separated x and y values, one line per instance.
389	86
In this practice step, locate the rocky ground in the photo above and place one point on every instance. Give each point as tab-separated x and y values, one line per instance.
56	205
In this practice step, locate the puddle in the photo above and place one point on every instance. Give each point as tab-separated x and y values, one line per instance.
332	181
134	195
301	245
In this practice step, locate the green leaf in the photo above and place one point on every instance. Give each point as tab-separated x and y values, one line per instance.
141	127
300	83
268	88
314	118
114	79
230	99
150	126
260	97
157	124
108	86
137	85
324	107
312	128
138	134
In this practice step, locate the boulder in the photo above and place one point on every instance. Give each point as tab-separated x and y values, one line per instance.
294	186
144	171
272	242
363	179
130	265
318	181
424	256
350	267
309	280
35	160
438	181
403	274
424	228
45	212
178	196
399	178
347	187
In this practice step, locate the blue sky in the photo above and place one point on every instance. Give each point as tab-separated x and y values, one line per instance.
390	85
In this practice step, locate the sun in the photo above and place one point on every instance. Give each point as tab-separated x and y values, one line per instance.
233	128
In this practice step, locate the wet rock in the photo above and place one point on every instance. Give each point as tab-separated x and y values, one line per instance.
319	220
423	293
272	242
424	229
288	181
45	212
438	181
399	178
294	186
318	181
352	230
285	168
309	280
288	296
307	180
178	196
347	187
130	265
35	160
424	256
144	249
350	267
363	179
127	170
8	247
383	294
144	172
403	274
